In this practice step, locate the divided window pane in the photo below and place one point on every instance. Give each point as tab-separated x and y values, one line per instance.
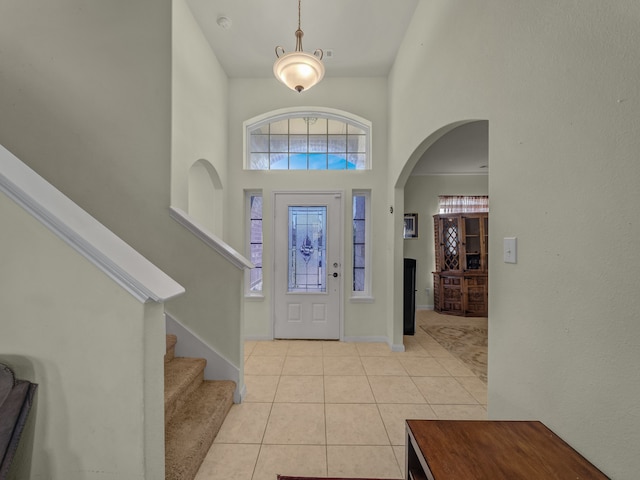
360	280
294	144
255	243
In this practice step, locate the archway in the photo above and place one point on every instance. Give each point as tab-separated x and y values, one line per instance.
436	139
206	196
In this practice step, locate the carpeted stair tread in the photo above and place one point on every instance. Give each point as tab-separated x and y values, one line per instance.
171	348
191	431
182	376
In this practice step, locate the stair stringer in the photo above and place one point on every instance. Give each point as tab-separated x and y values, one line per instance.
218	366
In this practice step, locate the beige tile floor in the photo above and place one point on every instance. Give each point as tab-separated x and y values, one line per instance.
336	409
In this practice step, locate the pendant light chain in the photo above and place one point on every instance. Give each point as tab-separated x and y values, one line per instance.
299	32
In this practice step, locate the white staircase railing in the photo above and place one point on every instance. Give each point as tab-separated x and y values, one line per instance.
210	239
84	233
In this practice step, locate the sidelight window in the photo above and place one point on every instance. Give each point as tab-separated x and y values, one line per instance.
253	277
361	244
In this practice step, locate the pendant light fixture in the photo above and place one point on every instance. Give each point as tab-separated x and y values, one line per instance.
298	70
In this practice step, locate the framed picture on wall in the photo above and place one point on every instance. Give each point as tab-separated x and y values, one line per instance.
410	225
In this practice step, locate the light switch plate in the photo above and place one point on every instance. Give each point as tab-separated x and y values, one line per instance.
510	250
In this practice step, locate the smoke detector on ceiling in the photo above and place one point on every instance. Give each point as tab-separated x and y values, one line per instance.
224	22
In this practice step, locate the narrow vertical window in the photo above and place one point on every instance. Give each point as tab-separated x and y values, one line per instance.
254	240
361	247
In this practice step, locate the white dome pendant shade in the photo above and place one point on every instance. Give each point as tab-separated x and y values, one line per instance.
298	70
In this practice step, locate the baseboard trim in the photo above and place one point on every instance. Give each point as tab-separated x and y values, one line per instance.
240	394
375	339
258	338
424	307
218	367
367	339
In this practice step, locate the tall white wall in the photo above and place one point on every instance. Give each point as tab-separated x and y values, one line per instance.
421	196
366	98
199	121
86	102
95	352
558	83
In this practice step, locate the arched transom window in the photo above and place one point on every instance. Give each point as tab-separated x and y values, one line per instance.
308	140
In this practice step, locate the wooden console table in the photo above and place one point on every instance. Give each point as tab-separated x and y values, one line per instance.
491	450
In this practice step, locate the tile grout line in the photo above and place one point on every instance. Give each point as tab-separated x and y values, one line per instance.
266	425
324	410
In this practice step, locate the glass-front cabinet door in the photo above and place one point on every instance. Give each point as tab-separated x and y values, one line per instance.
463	243
450	243
471	243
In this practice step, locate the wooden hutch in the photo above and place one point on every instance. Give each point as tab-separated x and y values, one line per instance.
460	281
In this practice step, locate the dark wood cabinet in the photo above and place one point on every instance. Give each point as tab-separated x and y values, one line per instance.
460	281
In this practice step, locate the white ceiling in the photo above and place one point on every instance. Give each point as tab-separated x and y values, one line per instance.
362	35
463	150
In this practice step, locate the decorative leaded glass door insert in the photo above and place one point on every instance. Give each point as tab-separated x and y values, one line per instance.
307	250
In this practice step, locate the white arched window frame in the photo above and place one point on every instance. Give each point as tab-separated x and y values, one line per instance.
307	139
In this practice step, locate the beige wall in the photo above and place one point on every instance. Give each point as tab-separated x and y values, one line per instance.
558	84
365	98
93	349
421	197
86	102
199	123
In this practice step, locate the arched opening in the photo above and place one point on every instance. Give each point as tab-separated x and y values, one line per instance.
206	196
451	161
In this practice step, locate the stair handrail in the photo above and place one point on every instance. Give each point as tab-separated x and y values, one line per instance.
209	238
83	233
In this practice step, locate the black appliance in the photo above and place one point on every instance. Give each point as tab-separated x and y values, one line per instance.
409	296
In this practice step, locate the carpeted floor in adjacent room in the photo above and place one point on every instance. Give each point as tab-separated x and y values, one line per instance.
463	337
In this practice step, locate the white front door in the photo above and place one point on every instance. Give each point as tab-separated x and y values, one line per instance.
307	265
